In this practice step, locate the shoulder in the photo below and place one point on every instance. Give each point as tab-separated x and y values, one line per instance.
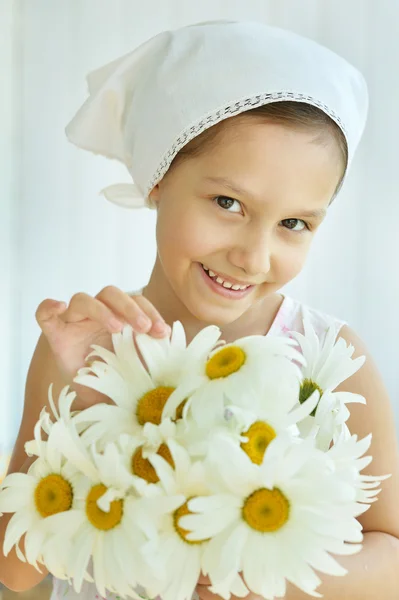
375	417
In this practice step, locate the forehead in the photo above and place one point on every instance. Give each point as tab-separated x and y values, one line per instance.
269	156
270	138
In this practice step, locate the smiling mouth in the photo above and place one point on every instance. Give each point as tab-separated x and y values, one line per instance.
224	282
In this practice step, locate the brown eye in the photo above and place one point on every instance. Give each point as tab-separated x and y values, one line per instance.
226	203
293	222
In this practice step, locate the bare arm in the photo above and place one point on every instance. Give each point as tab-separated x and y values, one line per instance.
15	574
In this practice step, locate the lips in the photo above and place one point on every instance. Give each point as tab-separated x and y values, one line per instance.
220	290
222	279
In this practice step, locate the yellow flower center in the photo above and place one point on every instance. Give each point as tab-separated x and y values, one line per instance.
259	436
151	405
266	510
144	469
53	494
97	517
225	362
181	512
307	388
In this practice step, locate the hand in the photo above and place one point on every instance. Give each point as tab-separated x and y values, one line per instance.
72	330
204	593
202	589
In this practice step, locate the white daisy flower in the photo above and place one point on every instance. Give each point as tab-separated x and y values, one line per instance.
108	522
135	451
233	369
48	488
274	522
182	558
327	365
258	415
261	415
140	395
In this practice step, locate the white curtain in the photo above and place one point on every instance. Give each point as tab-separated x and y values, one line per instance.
59	237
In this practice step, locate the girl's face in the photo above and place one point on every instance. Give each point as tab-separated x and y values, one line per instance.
240	210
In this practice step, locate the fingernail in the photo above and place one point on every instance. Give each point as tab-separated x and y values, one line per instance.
115	324
143	322
160	326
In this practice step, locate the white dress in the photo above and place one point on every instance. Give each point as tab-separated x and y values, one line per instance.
288	318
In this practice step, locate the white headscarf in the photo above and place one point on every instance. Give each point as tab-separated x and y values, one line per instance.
145	106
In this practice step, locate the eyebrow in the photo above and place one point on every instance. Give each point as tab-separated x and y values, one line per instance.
320	213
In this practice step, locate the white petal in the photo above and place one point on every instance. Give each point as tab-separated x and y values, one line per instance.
208	525
64	524
231	557
72	448
349	397
253	558
124	557
239	588
98	412
83	547
210	503
21	480
34	539
303	576
99	565
305	409
190	573
178	336
53	455
203	343
56	552
19	523
15	499
323	562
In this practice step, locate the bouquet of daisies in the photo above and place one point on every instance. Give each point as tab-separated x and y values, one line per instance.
233	460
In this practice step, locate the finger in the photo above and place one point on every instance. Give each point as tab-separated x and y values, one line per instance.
83	306
159	326
125	308
48	312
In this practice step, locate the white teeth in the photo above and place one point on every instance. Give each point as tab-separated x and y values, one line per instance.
225	284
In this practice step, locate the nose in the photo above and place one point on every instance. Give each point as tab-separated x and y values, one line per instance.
252	253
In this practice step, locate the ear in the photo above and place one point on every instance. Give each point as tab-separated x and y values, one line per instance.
155	195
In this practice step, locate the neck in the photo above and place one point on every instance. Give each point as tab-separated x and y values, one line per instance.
255	321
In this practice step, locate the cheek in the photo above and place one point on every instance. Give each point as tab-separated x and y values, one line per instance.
290	262
187	236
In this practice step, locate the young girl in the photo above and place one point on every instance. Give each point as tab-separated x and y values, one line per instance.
240	136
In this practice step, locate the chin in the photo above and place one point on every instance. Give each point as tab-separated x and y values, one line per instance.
215	315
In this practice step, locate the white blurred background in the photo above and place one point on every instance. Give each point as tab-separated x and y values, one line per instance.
58	236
